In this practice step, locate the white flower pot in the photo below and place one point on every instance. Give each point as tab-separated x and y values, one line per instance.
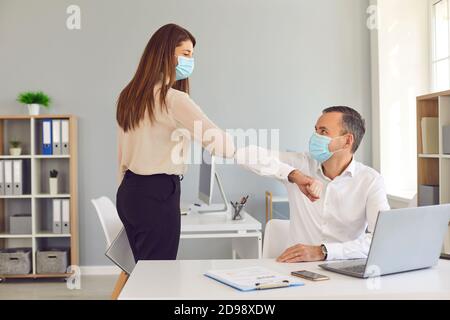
53	185
33	109
15	151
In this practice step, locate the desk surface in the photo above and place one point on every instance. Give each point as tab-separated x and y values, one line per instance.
195	222
184	279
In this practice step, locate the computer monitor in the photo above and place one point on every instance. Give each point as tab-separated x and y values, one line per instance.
206	184
207	176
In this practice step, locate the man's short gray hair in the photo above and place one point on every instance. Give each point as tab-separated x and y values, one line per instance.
352	122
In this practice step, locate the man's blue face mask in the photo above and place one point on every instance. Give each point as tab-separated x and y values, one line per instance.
319	147
184	68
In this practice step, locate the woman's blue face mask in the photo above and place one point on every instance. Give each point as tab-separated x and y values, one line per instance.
184	68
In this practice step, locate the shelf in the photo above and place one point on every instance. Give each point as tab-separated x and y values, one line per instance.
434	156
40	116
51	196
37	156
52	235
22	196
26	156
428	155
37	199
434	169
42	167
44	196
54	156
14	236
434	96
35	276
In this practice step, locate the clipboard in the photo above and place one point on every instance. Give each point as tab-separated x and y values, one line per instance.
253	278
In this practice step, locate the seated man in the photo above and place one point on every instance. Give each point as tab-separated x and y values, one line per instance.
337	222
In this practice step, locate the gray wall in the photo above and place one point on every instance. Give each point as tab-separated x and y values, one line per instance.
259	64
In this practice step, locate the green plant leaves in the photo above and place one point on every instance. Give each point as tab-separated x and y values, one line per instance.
30	97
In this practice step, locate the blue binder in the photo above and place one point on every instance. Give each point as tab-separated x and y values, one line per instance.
47	137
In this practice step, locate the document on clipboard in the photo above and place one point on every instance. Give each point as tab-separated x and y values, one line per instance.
253	278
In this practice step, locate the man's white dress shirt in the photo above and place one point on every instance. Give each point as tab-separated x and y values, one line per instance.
348	205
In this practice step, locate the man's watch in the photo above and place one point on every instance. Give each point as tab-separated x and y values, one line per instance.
324	251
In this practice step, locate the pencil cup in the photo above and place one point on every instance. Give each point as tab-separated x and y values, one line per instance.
237	213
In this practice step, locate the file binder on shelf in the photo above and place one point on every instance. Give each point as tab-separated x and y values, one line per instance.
430	135
2	178
17	177
57	216
47	145
253	278
65	216
56	134
65	143
8	177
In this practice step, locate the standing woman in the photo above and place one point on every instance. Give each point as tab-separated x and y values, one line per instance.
150	109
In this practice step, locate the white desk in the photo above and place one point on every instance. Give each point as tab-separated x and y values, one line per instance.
180	279
245	234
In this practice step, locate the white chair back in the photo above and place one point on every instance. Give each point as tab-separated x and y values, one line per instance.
413	202
275	238
109	218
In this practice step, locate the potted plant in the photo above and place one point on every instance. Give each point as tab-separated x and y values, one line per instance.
33	100
53	182
15	149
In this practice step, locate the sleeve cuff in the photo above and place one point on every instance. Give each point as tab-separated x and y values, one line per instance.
335	251
284	171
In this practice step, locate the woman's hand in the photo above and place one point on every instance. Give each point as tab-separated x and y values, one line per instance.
310	187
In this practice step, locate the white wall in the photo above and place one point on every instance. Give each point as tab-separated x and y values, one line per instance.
400	71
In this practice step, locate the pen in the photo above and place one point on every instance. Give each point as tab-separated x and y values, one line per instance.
271	285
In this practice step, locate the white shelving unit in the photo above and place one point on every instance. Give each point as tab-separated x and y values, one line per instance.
36	199
434	169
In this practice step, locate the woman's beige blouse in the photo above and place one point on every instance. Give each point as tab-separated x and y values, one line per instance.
162	147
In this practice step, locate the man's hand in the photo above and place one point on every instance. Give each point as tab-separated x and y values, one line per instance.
302	253
310	187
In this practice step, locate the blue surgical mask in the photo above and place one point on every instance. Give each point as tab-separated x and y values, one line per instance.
319	147
184	68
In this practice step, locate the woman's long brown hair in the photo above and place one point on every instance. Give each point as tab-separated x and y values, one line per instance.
158	62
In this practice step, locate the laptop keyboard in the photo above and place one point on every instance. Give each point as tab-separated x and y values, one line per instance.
355	269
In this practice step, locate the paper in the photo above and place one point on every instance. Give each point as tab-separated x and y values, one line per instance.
247	278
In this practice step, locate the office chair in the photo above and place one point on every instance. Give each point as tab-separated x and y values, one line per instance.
413	202
111	224
275	238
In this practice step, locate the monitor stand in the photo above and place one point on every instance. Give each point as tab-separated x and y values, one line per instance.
226	207
445	256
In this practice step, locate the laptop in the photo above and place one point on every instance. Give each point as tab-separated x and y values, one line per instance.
120	252
403	240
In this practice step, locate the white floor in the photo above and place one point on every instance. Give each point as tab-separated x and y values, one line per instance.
92	288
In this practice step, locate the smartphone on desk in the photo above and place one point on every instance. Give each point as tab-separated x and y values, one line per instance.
308	275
